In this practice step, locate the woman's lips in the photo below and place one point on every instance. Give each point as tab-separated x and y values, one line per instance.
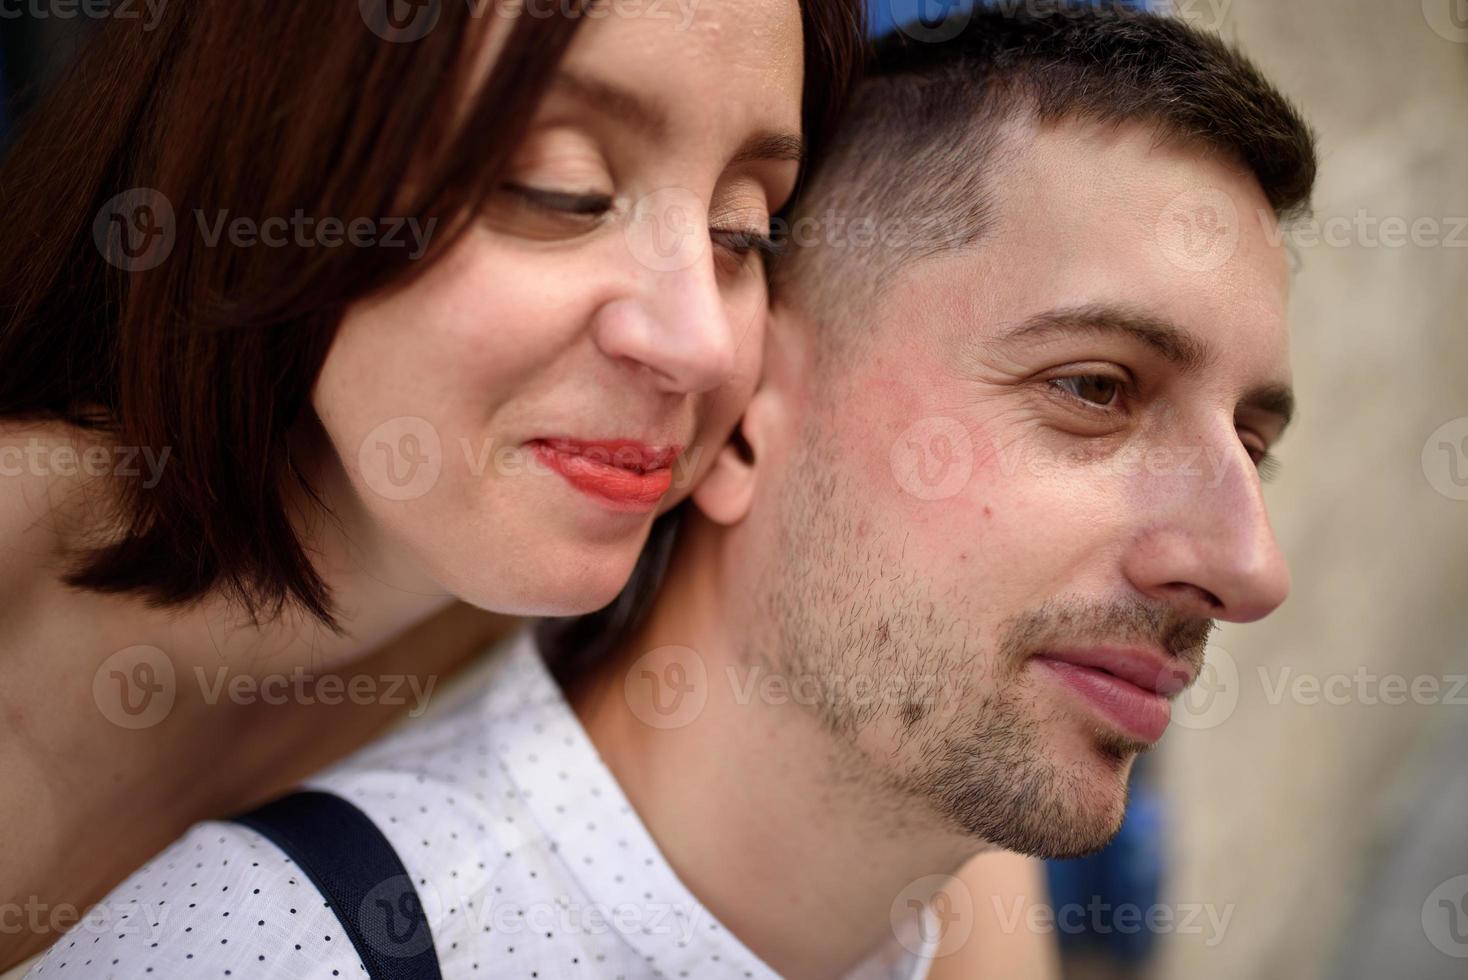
622	474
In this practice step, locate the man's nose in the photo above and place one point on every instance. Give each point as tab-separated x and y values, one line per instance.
1207	547
675	324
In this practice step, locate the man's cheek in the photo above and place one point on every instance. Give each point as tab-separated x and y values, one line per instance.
1024	506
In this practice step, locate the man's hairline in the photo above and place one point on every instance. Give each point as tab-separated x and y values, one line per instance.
1013	133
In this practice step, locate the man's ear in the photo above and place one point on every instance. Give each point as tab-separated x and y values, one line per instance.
726	492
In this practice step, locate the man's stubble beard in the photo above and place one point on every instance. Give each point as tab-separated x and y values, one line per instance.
952	736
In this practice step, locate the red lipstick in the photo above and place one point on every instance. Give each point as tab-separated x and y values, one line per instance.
622	474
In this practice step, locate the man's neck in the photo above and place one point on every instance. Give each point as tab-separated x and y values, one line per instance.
768	822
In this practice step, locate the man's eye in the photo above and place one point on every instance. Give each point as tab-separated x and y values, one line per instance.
1266	463
1096	389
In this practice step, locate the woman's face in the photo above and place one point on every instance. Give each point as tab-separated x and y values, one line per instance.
516	417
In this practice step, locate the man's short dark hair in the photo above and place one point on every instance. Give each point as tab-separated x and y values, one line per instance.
915	165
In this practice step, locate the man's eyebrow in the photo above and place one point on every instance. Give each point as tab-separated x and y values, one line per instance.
614	100
1166	338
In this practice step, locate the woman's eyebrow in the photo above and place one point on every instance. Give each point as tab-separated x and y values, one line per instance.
651	118
614	100
771	146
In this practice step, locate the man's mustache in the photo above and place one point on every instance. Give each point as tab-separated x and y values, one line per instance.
1133	621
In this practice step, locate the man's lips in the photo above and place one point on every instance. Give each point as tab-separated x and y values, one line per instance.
1145	667
623	474
1130	686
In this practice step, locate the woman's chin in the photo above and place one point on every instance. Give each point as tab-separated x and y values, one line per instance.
566	578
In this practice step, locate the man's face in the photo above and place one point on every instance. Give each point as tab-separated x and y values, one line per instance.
1036	473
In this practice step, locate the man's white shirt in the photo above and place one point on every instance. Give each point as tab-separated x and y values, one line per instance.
528	858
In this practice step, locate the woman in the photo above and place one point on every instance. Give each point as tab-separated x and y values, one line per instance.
317	320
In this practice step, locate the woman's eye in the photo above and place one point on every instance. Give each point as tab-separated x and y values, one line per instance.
735	245
543	214
563	202
1096	389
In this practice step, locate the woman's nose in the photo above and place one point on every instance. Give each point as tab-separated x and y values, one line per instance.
673	321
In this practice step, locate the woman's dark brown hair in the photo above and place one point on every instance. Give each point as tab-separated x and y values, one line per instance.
259	110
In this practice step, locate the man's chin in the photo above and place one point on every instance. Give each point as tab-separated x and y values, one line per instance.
1077	847
1067	806
1088	827
1109	753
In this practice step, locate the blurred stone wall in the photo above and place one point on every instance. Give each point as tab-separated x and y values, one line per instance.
1307	805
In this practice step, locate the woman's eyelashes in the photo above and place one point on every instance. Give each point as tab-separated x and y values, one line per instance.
739	244
574	203
588	208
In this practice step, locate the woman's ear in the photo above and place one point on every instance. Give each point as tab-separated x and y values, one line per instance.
726	491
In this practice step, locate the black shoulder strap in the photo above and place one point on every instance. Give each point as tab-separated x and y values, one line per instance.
346	857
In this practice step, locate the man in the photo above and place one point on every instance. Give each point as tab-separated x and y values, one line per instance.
998	481
1001	476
